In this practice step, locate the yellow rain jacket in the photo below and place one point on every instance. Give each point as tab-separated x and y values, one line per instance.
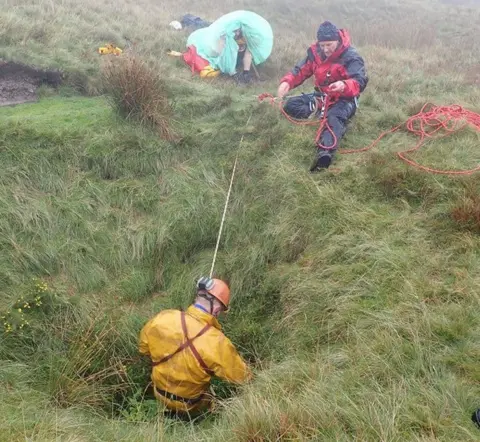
180	381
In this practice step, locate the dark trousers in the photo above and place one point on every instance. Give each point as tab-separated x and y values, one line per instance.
240	57
338	116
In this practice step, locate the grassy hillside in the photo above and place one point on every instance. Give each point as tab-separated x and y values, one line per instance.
355	291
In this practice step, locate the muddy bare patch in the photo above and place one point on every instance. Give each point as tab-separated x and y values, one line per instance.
19	83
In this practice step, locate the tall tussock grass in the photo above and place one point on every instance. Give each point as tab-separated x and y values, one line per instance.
354	291
79	354
137	91
466	210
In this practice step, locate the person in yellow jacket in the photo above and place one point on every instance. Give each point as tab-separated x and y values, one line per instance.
188	348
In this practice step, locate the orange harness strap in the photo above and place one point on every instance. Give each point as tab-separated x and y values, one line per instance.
188	343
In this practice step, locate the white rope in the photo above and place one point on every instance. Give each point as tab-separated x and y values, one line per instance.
227	200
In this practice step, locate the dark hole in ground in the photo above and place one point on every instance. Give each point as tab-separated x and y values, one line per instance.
139	397
19	83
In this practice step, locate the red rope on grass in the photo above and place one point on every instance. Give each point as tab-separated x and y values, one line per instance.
432	121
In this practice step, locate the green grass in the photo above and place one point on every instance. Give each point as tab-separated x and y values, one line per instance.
355	291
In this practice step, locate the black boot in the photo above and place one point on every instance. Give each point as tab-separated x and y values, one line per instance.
476	418
322	160
244	77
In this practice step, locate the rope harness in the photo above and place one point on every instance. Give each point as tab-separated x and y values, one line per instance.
188	343
323	101
431	122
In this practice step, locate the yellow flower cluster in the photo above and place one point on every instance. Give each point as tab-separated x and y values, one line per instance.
41	287
7	326
23	306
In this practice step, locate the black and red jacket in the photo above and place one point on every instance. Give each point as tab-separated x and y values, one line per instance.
345	64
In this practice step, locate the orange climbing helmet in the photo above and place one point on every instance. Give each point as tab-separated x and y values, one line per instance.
216	288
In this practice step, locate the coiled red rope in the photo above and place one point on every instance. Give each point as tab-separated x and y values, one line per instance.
431	122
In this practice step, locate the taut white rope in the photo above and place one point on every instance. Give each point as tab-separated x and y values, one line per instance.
227	200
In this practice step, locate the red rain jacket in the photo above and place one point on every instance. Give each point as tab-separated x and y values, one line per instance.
344	64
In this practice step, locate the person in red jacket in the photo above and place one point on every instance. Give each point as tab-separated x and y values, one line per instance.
339	73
